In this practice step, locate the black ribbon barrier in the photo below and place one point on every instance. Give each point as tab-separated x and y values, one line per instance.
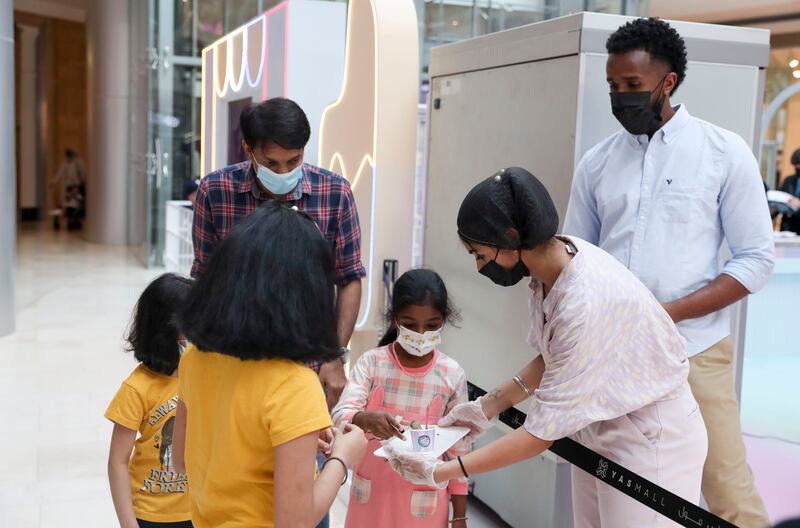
634	486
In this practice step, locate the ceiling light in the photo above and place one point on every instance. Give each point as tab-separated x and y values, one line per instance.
796	74
793	63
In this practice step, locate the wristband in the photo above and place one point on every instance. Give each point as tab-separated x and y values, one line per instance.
456	519
341	462
460	463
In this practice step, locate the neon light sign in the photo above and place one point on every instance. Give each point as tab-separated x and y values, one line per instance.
271	56
368	135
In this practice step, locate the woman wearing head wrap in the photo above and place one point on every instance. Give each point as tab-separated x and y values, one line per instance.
610	368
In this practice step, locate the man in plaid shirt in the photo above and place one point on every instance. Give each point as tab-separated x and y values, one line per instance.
275	134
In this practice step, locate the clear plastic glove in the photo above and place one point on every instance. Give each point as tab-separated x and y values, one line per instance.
413	467
469	414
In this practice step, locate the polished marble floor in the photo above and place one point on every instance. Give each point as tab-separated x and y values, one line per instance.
60	370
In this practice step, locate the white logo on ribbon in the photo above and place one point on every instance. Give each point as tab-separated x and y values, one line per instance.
601	469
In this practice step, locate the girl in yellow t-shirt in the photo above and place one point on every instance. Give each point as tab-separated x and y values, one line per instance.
146	489
251	411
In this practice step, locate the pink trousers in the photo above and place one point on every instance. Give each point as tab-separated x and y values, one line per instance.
664	442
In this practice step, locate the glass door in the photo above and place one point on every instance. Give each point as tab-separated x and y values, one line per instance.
173	112
140	164
167	39
165	117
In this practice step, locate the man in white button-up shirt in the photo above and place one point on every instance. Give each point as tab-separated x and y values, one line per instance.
661	195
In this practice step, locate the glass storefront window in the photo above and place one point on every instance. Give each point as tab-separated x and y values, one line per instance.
447	21
782	133
240	11
210	21
166	67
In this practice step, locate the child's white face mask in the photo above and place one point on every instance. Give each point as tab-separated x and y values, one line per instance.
418	344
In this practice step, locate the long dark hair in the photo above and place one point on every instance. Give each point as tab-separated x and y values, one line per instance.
153	333
268	291
422	287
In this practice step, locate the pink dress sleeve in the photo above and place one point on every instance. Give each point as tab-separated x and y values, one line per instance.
356	392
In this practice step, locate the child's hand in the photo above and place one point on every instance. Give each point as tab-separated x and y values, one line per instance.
380	423
324	442
349	445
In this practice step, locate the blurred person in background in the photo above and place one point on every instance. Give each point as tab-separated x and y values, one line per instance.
791	185
70	182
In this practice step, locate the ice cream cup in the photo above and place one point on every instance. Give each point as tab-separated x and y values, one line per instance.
422	440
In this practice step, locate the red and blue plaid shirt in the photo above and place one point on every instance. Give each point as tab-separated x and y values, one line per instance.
228	195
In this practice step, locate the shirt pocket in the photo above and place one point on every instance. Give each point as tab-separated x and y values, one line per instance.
361	489
678	207
423	503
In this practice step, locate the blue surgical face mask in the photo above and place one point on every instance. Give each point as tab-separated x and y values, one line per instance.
278	184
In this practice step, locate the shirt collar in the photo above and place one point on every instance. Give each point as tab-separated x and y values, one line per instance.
241	175
674	126
565	279
248	184
668	131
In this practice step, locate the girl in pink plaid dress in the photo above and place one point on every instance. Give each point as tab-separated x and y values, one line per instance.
406	377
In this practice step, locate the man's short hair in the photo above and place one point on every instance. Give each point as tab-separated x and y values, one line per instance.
657	38
278	120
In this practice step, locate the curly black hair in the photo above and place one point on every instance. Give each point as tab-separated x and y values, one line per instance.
657	38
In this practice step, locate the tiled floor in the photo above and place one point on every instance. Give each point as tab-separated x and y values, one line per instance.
64	363
771	423
57	374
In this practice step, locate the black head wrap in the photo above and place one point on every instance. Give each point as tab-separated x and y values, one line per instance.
509	210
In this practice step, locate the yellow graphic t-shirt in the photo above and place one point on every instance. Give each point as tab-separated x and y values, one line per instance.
237	412
146	402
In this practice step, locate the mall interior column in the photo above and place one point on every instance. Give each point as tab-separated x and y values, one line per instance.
8	176
107	46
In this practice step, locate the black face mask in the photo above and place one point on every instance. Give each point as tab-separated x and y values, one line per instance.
637	112
501	276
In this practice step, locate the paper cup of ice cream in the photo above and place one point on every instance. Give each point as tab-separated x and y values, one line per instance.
422	440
